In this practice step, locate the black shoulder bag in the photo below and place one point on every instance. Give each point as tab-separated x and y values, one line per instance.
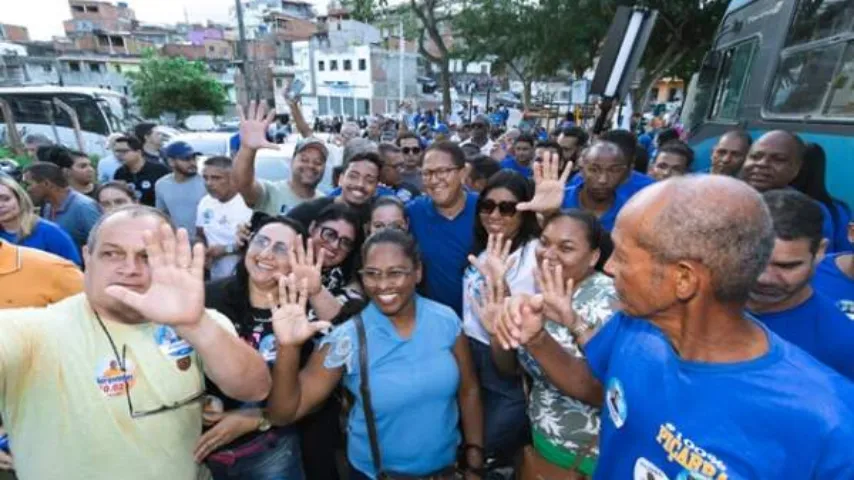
365	389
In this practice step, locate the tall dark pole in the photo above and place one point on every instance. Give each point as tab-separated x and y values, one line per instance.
241	51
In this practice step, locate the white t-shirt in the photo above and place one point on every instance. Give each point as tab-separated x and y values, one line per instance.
220	222
520	279
486	149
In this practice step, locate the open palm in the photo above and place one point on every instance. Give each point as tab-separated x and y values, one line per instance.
176	295
496	261
549	183
490	307
521	320
556	293
254	124
304	267
290	322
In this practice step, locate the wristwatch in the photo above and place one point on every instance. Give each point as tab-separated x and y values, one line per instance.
264	424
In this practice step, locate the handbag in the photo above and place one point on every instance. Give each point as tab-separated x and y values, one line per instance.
447	473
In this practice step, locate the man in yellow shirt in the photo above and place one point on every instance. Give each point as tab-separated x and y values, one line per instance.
108	384
32	278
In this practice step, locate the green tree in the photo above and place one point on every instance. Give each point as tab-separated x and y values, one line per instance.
683	34
533	40
176	85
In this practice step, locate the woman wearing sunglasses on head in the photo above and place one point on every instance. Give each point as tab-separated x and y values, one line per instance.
403	359
498	224
241	443
576	300
387	212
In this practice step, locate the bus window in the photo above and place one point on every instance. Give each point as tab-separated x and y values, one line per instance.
817	19
735	68
841	102
802	80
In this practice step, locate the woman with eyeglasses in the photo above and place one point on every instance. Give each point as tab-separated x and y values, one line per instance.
241	443
387	212
498	226
577	299
19	224
421	380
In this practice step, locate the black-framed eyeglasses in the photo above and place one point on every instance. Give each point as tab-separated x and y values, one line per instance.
506	209
395	276
439	173
332	237
123	368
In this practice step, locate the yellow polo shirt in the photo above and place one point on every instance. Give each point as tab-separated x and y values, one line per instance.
63	396
33	278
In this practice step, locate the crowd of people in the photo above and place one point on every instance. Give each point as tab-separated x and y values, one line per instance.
463	306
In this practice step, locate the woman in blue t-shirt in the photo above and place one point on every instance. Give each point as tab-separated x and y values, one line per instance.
422	381
20	225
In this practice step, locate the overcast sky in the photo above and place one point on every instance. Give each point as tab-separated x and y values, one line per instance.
44	17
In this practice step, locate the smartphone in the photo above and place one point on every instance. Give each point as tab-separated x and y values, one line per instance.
295	89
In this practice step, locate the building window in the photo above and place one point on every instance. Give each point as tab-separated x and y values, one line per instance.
333	65
74	66
671	96
363	64
348	65
321	65
77	8
323	105
95	67
278	83
47	68
103	41
91	9
118	42
363	107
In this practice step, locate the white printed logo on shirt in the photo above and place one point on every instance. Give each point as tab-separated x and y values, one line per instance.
615	398
646	470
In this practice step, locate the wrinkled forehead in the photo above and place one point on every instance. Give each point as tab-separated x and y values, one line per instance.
125	231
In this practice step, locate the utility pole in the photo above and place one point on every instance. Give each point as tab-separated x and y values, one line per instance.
242	53
402	50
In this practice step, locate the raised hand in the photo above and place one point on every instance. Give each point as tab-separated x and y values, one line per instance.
304	267
557	294
254	125
176	295
521	321
290	322
244	231
496	261
549	185
491	305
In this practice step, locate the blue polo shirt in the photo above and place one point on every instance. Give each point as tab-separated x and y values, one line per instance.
48	237
571	199
840	227
510	163
77	215
820	329
416	414
781	415
445	245
635	183
834	284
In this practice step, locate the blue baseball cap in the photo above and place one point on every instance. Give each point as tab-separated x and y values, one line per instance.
180	150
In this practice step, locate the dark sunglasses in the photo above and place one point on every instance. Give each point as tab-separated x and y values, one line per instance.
506	209
412	150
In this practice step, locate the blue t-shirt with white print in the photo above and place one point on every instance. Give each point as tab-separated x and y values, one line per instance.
833	283
782	415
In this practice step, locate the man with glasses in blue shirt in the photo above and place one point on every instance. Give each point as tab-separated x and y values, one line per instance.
109	383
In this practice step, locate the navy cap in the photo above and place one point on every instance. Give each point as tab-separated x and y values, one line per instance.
180	150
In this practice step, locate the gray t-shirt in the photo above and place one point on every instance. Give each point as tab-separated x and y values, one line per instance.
277	198
180	200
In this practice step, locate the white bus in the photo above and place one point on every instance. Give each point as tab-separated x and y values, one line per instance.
100	113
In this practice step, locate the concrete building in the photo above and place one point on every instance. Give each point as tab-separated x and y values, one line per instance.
256	12
13	33
89	16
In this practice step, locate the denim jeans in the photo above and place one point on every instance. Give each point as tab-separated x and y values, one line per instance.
281	460
506	427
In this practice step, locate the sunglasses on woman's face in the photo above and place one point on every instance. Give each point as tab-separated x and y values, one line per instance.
506	209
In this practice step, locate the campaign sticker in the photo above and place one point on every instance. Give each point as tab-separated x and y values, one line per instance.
170	343
145	185
615	398
646	470
267	348
111	379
